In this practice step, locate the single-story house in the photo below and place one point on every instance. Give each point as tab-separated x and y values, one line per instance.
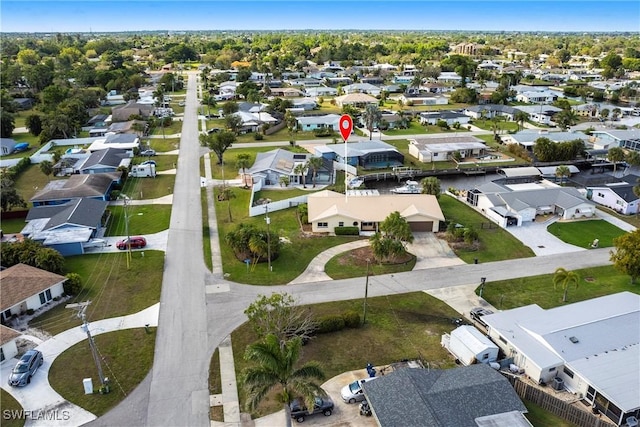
27	288
335	81
305	103
467	396
270	166
424	99
108	160
66	227
389	121
537	97
310	123
402	80
450	77
627	138
328	210
7	145
542	114
94	186
126	127
362	88
286	92
251	121
591	346
450	117
393	88
8	347
24	103
528	137
359	100
368	154
373	80
514	206
124	141
307	82
441	149
320	91
618	196
490	111
122	113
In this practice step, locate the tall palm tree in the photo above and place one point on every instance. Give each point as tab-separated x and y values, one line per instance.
562	171
243	161
615	155
315	163
565	278
275	369
521	117
371	116
431	185
301	170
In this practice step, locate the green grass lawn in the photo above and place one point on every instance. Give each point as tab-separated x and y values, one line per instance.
162	145
149	188
231	170
143	219
347	265
164	162
594	282
275	195
496	244
541	418
407	326
583	233
294	257
206	242
31	181
172	129
631	219
127	357
10	408
11	226
503	126
113	289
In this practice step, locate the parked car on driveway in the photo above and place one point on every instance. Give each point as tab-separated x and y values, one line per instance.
25	368
148	162
148	152
476	314
137	242
353	393
322	405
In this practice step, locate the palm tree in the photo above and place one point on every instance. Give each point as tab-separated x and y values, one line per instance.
565	278
521	117
431	185
315	163
615	155
301	170
562	171
276	369
615	113
371	116
243	161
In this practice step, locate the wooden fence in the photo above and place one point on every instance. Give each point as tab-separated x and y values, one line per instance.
558	407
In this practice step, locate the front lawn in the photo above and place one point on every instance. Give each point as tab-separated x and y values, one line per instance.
630	219
594	282
163	145
398	327
143	219
583	233
503	126
32	180
11	411
149	188
354	264
113	289
126	357
496	244
163	162
275	195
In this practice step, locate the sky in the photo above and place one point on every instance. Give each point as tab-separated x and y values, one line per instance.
504	15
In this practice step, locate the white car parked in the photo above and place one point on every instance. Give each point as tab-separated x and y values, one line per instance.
353	393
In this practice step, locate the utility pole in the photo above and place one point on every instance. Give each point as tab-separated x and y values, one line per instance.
81	309
366	294
268	220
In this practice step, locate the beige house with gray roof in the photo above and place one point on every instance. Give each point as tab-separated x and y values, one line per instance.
328	210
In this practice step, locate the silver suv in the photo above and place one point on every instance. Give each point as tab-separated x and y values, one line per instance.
25	368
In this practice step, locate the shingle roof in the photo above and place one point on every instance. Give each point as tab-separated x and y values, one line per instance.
440	398
23	281
90	185
108	157
81	212
7	334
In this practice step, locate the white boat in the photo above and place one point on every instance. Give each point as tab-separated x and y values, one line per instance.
355	182
409	187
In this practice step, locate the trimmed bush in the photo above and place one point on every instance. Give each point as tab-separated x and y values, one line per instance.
346	231
330	323
351	319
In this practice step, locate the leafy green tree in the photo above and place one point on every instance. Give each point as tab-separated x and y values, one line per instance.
545	149
604	114
371	116
7	123
615	155
284	180
229	107
233	123
390	242
626	257
315	164
34	124
9	196
46	167
34	254
564	279
275	368
431	185
218	143
73	284
280	315
566	118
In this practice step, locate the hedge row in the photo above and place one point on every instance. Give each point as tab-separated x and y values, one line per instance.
337	322
346	231
14	171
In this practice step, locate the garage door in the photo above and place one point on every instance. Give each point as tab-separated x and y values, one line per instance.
421	226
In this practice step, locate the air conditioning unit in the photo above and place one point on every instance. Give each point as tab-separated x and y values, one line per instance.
558	383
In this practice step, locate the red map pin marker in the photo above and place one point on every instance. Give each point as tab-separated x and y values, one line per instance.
346	126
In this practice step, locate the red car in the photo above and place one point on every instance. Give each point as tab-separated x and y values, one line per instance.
137	242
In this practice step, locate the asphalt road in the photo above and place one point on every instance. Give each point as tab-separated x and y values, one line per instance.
199	309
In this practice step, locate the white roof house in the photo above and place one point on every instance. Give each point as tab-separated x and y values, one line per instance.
625	138
440	149
527	138
592	345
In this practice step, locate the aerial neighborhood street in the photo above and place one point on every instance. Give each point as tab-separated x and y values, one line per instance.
237	228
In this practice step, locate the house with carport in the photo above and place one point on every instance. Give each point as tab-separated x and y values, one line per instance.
590	348
441	149
328	210
489	111
26	288
374	154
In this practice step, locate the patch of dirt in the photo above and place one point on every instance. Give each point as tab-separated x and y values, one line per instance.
590	279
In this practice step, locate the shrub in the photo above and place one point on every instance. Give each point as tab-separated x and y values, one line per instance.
351	319
303	212
30	311
330	323
73	285
346	231
258	136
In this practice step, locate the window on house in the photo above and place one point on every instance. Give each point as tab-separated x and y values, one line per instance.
6	314
485	356
355	223
341	224
323	225
1	355
502	339
552	369
568	372
45	296
42	300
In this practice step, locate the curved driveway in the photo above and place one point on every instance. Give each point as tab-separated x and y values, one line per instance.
199	309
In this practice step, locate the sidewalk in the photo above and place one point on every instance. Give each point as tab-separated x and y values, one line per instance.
39	398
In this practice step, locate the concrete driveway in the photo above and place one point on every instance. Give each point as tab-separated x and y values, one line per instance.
432	252
541	242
